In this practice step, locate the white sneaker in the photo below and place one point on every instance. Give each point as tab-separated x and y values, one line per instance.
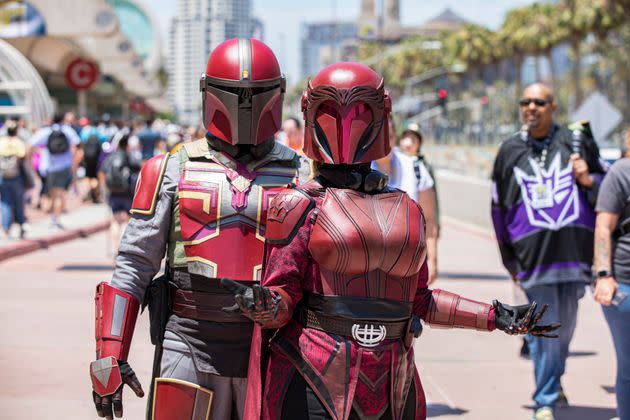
544	413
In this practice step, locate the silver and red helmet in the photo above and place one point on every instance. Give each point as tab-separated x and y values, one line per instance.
242	91
346	112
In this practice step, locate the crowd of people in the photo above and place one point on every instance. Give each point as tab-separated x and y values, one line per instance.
93	160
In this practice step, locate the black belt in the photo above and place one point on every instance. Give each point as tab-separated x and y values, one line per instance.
349	315
367	333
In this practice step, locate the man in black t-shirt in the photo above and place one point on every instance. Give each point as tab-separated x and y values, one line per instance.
612	265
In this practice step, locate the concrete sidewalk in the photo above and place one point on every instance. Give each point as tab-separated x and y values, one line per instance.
47	304
80	221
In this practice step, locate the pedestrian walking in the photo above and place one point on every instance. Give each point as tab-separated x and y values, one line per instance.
204	206
60	143
612	265
149	139
345	279
410	174
119	174
545	183
12	179
92	139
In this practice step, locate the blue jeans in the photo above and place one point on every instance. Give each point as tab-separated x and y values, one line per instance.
550	354
618	318
12	201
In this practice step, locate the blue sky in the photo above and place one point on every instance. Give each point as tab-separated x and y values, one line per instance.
283	19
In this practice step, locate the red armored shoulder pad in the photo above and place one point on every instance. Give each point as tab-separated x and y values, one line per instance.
148	185
286	214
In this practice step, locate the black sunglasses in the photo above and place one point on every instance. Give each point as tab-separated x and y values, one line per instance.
537	102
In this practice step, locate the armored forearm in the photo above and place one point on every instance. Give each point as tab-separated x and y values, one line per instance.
449	310
116	313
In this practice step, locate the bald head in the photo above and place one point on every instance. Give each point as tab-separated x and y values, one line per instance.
539	90
537	107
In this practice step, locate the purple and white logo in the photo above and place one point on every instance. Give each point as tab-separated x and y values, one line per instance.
550	195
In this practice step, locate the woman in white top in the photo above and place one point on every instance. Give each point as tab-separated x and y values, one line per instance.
409	173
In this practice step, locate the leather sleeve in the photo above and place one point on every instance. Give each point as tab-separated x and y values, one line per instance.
289	270
148	186
287	213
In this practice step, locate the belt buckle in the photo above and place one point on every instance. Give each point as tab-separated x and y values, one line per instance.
369	335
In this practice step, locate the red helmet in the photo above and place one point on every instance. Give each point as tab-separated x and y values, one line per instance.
242	91
346	111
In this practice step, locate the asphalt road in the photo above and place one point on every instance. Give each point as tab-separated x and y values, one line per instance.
46	308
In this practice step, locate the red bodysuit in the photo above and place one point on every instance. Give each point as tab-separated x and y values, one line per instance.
351	268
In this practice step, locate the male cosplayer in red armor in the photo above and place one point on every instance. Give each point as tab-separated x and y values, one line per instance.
205	207
345	276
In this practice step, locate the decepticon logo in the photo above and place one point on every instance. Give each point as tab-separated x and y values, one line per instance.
550	195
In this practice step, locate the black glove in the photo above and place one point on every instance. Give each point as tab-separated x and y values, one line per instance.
522	319
258	303
104	404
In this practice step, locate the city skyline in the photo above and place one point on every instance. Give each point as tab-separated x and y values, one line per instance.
283	21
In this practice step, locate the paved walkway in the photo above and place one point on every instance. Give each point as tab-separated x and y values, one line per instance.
81	219
46	302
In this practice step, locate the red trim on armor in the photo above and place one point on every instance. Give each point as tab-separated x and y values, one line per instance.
145	197
182	400
116	313
285	216
449	310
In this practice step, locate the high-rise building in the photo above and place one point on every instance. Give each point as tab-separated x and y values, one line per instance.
322	44
198	27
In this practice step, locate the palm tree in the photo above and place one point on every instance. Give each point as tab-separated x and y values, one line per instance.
577	18
511	36
472	45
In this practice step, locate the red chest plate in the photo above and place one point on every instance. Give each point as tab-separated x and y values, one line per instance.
223	220
369	245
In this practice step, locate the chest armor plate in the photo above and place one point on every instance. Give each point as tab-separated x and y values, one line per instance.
222	216
369	245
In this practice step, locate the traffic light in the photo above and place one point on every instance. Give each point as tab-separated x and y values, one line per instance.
442	98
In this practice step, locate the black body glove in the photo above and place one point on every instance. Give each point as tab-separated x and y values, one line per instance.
258	303
104	404
522	319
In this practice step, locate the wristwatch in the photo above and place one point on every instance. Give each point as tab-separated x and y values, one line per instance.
603	273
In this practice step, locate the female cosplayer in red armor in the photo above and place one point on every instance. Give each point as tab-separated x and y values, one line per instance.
345	277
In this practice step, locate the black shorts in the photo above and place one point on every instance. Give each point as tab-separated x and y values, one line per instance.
60	179
120	203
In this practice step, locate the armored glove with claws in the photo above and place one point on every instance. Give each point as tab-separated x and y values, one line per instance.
522	319
261	304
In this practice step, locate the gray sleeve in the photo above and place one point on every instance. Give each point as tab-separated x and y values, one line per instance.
612	194
144	242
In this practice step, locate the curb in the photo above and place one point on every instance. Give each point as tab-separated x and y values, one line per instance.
26	246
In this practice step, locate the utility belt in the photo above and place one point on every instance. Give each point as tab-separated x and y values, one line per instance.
367	321
203	301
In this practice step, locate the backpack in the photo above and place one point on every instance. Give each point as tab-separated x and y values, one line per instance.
92	148
118	174
58	143
9	167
